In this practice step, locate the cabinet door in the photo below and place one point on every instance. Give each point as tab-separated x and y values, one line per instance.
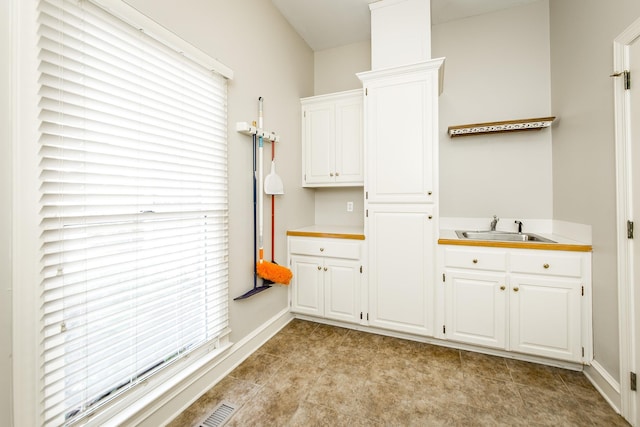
401	267
318	131
306	287
476	308
349	166
342	290
401	123
545	317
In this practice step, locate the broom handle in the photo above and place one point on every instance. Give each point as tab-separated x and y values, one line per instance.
260	200
260	189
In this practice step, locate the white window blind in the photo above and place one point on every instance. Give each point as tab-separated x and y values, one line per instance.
134	208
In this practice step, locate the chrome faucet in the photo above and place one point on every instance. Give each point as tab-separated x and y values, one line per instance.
494	222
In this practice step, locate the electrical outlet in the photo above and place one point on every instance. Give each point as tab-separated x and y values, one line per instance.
349	206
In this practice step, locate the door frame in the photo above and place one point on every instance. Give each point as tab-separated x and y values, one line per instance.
626	310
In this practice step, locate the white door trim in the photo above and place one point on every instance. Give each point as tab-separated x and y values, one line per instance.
626	312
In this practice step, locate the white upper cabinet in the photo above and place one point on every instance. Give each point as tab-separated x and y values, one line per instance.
332	140
401	131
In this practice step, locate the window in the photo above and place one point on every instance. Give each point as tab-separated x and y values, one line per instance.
133	163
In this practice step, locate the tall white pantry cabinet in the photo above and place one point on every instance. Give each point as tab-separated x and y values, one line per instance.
401	183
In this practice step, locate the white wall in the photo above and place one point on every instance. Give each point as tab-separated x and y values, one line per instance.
335	69
331	206
270	60
582	34
5	216
496	68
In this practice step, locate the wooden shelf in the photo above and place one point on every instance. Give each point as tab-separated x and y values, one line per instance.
497	127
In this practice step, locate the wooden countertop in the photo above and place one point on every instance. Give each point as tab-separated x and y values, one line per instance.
329	231
356	233
519	245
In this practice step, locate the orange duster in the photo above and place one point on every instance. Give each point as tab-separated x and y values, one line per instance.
274	272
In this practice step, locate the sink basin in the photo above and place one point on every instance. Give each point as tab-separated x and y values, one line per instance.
502	236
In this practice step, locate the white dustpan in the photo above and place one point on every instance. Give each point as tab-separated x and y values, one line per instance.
272	182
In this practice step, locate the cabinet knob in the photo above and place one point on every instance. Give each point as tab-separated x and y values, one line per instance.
516	289
430	217
545	265
321	249
325	269
319	268
429	193
503	287
331	174
475	261
337	173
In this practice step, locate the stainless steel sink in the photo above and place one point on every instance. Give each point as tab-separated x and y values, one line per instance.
502	236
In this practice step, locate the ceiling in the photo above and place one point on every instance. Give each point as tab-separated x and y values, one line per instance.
325	24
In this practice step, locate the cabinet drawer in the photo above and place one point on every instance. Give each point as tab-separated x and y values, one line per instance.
324	247
478	260
553	265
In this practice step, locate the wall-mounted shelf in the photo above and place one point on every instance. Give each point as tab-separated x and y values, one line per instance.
247	129
503	126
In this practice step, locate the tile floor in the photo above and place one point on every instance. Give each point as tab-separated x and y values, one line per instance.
312	374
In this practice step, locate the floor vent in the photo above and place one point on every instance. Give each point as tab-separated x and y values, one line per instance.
219	416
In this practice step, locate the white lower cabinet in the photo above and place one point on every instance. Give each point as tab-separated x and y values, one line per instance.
534	302
327	277
401	267
545	316
477	308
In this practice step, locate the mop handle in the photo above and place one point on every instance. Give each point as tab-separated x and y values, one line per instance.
273	209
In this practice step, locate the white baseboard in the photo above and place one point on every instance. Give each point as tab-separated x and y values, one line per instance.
606	385
186	393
